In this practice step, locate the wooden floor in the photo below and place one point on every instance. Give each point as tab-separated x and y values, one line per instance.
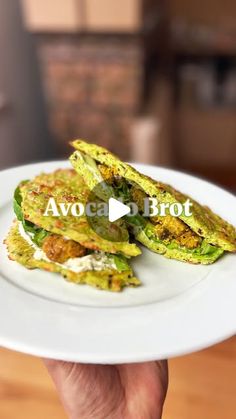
202	386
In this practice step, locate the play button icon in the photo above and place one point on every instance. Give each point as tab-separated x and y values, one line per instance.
117	210
106	217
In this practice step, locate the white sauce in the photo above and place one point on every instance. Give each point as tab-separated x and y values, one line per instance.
39	254
26	236
93	262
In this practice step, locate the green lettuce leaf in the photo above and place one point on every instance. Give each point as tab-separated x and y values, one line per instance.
121	263
37	234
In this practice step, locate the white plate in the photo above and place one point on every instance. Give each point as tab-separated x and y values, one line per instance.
180	307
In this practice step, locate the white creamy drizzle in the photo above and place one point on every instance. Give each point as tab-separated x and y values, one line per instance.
26	236
93	262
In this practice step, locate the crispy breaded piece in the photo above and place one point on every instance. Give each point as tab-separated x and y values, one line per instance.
107	173
168	227
172	228
138	196
58	249
188	239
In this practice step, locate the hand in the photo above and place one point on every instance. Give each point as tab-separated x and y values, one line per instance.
127	391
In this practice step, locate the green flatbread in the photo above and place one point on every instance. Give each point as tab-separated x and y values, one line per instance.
110	280
217	235
204	254
65	186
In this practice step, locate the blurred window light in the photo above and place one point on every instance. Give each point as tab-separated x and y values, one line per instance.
113	15
52	15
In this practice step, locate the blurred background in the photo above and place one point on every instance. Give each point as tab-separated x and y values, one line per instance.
155	82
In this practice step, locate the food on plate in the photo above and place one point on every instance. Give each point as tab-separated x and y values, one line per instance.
200	238
65	186
66	244
69	244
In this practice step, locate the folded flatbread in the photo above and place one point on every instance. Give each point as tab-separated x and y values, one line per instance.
65	244
65	186
200	238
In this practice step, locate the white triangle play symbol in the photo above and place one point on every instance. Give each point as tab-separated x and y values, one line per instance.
117	210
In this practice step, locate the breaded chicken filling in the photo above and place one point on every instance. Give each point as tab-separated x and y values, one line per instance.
58	249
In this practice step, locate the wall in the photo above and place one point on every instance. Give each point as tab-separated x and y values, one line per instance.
23	129
92	86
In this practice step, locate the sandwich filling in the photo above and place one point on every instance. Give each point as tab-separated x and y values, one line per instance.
62	246
201	226
200	237
69	254
167	232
